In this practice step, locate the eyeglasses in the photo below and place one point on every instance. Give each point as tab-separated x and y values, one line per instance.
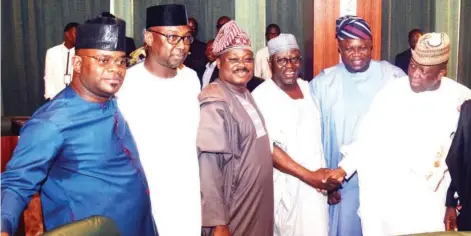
234	61
175	39
108	61
284	61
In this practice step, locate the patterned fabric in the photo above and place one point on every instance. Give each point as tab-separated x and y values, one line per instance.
432	49
282	43
352	27
230	36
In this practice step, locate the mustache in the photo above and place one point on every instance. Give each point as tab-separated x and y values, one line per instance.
241	70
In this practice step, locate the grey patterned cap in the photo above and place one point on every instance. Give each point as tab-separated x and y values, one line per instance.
281	43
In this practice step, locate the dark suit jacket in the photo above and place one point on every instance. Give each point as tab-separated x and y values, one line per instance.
459	165
197	60
403	59
251	85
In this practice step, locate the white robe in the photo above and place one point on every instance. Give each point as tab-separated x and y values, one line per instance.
294	125
163	116
400	157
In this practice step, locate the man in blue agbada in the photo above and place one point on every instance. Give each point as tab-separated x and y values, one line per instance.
343	93
77	149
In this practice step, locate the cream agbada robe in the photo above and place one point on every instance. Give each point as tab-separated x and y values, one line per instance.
163	116
294	125
400	157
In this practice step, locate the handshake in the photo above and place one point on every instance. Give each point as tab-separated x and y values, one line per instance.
326	181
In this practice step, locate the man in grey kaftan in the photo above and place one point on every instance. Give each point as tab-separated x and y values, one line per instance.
236	168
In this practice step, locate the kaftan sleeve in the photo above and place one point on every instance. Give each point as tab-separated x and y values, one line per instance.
214	151
38	146
369	132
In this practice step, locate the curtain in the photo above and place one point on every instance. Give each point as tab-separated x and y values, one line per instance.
29	28
250	16
398	18
464	52
206	12
447	19
295	17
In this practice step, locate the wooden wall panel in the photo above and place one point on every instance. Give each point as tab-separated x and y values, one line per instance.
325	46
370	10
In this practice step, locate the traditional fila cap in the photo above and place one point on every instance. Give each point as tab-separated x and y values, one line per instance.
352	27
282	43
230	36
432	49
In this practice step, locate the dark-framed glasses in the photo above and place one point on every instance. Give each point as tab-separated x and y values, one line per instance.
284	61
108	60
175	39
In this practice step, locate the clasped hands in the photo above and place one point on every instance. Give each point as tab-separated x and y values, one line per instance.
327	181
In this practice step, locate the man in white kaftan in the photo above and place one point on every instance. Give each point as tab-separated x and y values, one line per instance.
402	145
159	100
293	124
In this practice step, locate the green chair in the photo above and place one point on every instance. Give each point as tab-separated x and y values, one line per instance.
92	226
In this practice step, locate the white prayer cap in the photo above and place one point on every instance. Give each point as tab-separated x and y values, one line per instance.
281	43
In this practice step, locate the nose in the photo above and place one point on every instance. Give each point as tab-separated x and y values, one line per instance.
180	44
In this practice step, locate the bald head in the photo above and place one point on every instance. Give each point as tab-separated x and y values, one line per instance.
222	21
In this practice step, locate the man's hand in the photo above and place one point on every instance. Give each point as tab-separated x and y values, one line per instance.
337	174
220	230
5	234
333	197
450	219
319	180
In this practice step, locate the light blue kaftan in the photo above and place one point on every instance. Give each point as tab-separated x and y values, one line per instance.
343	98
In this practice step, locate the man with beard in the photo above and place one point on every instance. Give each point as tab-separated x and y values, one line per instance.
159	100
293	124
402	145
344	93
77	149
236	167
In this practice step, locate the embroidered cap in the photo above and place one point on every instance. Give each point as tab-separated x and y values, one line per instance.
352	27
230	36
432	49
282	43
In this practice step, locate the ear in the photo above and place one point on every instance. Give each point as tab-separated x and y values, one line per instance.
77	64
148	38
218	63
442	73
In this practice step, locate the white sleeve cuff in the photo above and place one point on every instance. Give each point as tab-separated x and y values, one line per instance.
348	163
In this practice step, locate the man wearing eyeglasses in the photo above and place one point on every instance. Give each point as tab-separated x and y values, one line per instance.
293	123
236	167
77	149
159	100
